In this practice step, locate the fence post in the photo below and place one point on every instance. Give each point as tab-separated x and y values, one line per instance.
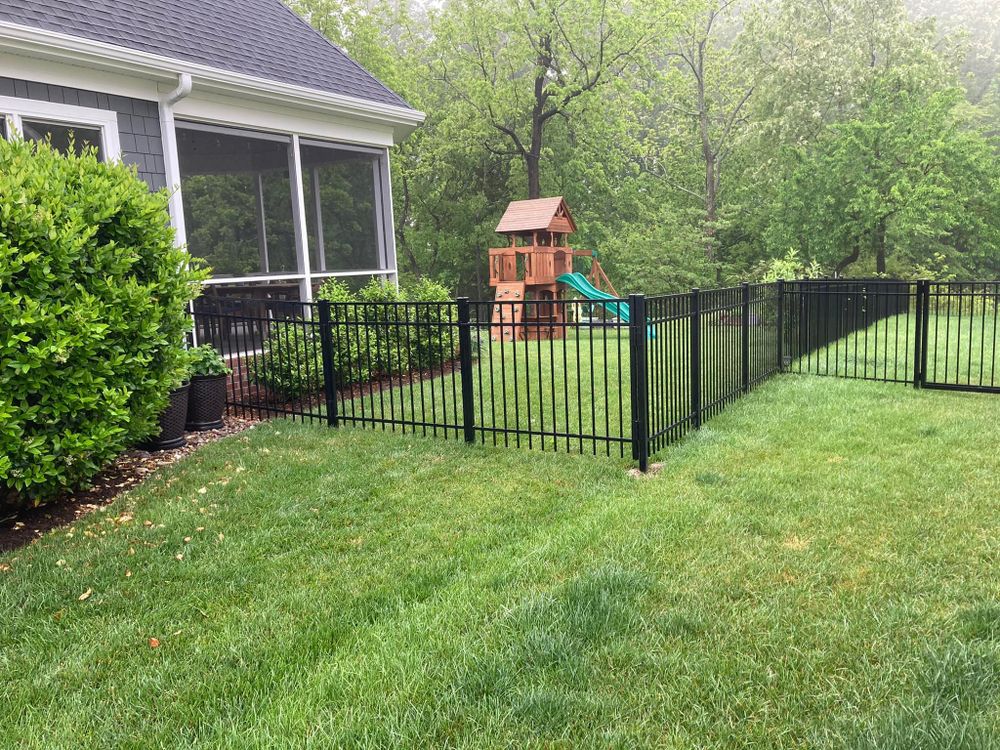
465	367
780	324
638	381
920	340
326	344
745	324
695	362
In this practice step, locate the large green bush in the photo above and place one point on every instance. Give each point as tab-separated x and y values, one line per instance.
369	341
433	344
291	365
92	316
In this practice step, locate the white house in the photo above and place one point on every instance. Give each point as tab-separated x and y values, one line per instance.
273	141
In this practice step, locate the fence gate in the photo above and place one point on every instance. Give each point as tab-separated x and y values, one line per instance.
959	344
931	334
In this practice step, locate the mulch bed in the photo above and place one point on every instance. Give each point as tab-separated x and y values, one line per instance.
268	403
131	468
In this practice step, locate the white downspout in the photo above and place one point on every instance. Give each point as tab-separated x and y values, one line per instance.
171	163
172	168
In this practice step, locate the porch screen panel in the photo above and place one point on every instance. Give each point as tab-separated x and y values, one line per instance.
237	202
343	208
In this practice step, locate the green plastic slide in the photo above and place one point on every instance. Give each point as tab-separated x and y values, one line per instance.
609	302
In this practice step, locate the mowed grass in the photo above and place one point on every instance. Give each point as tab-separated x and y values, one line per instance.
538	392
570	394
961	350
818	567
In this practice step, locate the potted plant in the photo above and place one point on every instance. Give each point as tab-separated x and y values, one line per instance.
172	419
207	401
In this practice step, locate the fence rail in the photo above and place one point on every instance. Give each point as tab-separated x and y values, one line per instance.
569	375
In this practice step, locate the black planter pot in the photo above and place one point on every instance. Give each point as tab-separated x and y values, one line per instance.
207	402
171	422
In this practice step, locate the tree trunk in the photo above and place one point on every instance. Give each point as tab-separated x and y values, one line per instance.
711	206
879	242
845	262
709	157
532	163
533	158
401	220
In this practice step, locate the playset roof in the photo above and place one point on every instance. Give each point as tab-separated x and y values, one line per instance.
539	214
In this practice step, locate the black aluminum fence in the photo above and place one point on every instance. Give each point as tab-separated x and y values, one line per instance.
558	381
863	329
626	378
959	336
703	350
931	334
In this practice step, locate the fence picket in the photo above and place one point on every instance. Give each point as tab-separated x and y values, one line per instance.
685	361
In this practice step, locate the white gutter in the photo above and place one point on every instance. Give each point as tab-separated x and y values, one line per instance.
171	162
75	50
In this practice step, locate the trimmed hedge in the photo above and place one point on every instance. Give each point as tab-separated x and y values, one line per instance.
92	316
370	341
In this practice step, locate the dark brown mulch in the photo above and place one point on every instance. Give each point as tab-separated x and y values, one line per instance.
269	402
132	467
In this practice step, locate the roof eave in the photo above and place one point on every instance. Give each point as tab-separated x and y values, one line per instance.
100	55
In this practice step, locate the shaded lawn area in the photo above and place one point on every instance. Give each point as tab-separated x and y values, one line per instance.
961	350
818	567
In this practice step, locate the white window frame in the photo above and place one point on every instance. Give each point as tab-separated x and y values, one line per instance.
16	109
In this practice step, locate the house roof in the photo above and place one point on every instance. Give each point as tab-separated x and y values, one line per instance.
540	213
260	38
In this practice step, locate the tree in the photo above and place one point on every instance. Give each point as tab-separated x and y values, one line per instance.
519	65
822	64
704	109
908	178
687	135
977	24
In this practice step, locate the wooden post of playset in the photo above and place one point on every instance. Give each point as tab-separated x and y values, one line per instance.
524	273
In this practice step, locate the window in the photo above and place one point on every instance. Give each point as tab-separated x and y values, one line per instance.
237	201
241	189
62	136
61	125
343	200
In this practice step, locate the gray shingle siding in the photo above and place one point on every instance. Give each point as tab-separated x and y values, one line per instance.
138	122
261	38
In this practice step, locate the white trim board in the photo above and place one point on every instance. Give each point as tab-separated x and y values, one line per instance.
225	111
19	65
66	114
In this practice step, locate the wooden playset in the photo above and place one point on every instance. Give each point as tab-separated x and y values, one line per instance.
525	273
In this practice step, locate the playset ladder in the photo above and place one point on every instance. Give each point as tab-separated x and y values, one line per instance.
508	311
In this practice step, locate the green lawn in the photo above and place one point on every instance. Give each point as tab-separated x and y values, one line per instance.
961	350
546	394
819	567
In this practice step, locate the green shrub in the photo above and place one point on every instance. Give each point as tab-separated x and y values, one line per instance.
346	337
291	365
432	345
205	361
789	268
92	316
382	346
369	341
